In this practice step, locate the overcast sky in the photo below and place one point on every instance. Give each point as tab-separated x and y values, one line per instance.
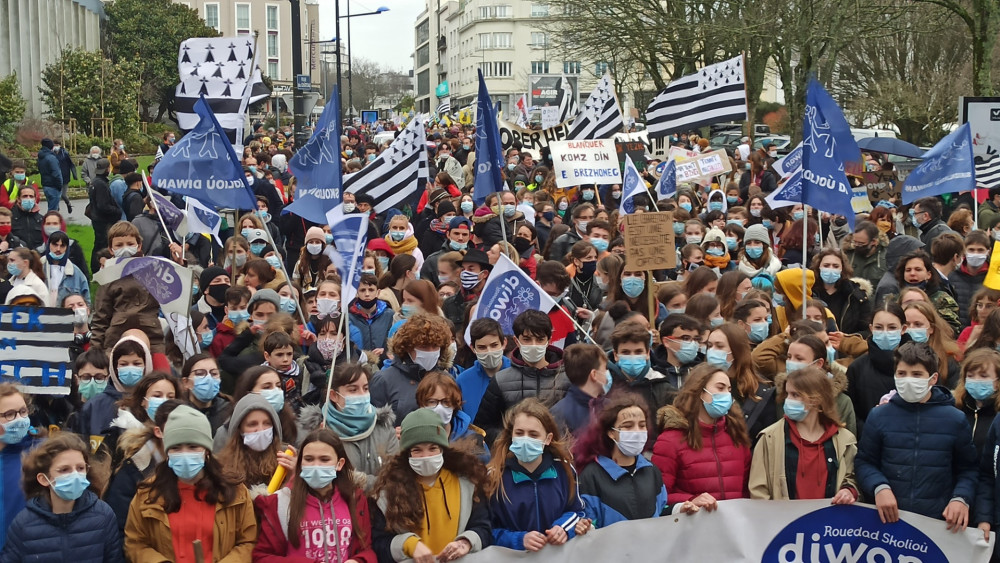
386	38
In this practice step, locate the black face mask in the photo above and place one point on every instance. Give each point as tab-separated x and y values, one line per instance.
218	292
521	245
588	268
366	304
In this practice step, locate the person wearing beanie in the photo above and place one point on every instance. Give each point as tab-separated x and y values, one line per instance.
190	498
456	240
757	258
716	253
252	444
423	482
213	284
51	174
313	259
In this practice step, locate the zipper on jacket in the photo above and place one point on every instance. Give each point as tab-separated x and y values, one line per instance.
538	514
916	449
718	464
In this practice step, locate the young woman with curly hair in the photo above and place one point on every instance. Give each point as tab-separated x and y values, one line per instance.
422	344
430	498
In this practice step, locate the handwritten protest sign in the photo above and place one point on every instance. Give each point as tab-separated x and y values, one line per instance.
881	184
533	140
703	167
34	349
550	117
585	162
636	150
649	241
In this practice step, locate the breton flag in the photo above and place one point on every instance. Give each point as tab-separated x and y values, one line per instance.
988	170
714	94
601	117
223	70
568	105
444	107
397	174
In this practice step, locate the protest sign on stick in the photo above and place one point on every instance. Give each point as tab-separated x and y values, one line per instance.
649	241
585	162
34	348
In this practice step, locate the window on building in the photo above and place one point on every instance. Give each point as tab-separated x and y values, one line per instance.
503	11
496	69
423	56
212	15
423	32
484	41
272	18
243	19
539	11
571	67
272	69
600	69
539	39
502	40
494	12
539	67
424	83
272	45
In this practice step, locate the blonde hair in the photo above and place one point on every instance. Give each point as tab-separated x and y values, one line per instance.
813	384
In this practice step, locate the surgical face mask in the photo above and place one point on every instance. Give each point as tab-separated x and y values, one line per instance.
69	486
407	311
318	476
397	236
798	215
90	388
608	381
633	286
716	251
633	366
129	375
314	248
349	207
458	246
716	322
720	403
678	228
758	332
685	205
917	334
534	353
975	260
588	195
50	229
20	177
153	403
13	269
372	157
526	449
444	412
206	388
754	252
732	243
237	317
260	440
357	405
466	207
795	410
349	152
326	307
511	166
275	396
427	466
887	340
581	225
601	284
913	389
256	248
732	200
687	352
792	365
27	204
718	358
490	360
563	206
469	280
778	300
734	222
693	239
186	465
767	224
363	272
978	389
755	211
384	262
600	244
829	275
715	206
426	360
831	355
126	251
631	442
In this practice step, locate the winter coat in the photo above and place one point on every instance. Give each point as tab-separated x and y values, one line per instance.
980	419
395	386
49	168
73	282
771	268
368	450
104	209
872	267
148	538
66	166
612	494
868	378
473	525
768	475
27	225
534	502
88	534
473	383
720	468
272	543
966	283
855	313
518	382
11	493
122	304
561	246
88	170
154	239
574	411
931	230
429	269
140	458
988	489
492	230
96	415
374	329
923	451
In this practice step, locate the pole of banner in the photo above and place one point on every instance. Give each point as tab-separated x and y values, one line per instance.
975	206
156	208
805	258
191	329
652	299
283	268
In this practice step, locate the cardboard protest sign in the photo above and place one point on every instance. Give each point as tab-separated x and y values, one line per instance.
881	185
860	201
34	349
533	140
703	167
585	162
649	241
635	150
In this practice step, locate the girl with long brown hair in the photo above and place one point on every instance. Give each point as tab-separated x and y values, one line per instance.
924	324
254	449
728	348
534	498
324	516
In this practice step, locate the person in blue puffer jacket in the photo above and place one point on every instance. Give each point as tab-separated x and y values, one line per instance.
16	439
916	451
439	392
63	520
534	496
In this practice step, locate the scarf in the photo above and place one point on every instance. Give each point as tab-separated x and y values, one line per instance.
439	226
404	246
720	262
349	427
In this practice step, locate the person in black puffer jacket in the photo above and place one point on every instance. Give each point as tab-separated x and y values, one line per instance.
979	377
969	277
872	375
849	299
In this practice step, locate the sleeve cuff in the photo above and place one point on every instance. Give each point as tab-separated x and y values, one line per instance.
961	500
409	545
882	487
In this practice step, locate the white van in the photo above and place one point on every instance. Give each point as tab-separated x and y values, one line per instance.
865	133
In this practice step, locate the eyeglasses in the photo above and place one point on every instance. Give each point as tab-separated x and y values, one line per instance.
12	414
686	338
203	372
100	377
435	402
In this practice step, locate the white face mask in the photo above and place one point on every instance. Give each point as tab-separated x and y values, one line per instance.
631	443
314	248
913	389
426	360
444	412
490	360
975	260
126	251
260	440
533	354
427	466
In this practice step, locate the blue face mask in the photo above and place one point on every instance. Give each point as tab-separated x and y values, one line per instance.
384	261
70	486
90	388
633	366
607	381
287	304
719	405
206	388
275	396
633	286
588	195
538	179
57	257
715	206
978	389
831	355
795	410
509	210
237	317
264	216
778	300
732	200
688	352
357	405
245	233
129	375
407	311
887	340
767	224
718	358
678	228
256	248
186	465
759	332
732	243
734	222
685	205
458	246
600	244
526	449
917	334
318	476
15	430
829	275
154	403
274	261
13	270
466	207
716	251
754	252
798	215
716	322
397	236
207	338
675	311
27	204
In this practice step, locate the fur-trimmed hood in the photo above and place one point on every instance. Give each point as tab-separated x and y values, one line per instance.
865	286
671	418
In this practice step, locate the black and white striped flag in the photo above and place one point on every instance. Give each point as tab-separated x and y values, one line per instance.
398	174
601	117
714	94
444	107
221	69
568	105
988	172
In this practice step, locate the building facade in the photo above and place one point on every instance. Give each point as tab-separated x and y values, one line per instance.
34	32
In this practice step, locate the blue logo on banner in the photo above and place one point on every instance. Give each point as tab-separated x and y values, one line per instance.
850	533
156	276
506	298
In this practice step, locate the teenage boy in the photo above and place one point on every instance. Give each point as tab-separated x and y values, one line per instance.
680	349
476	270
916	452
535	370
279	354
587	370
488	343
235	315
371	315
630	342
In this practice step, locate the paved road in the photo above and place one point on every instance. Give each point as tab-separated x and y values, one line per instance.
77	217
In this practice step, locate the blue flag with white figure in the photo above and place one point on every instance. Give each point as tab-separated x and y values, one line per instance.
508	293
948	167
350	234
666	187
489	153
202	220
632	185
317	166
788	194
844	145
204	166
824	181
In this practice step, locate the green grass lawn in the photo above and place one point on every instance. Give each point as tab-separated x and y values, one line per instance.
84	236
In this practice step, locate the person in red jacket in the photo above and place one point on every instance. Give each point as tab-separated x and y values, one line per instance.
704	450
237	299
323	516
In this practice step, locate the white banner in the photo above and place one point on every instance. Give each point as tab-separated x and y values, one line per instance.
751	531
585	162
550	117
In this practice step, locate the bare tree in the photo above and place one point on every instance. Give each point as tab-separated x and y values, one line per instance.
377	87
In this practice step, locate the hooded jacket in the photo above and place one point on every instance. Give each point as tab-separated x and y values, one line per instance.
49	168
141	455
249	403
897	248
368	450
870	267
771	268
966	282
720	468
88	534
396	385
125	302
520	381
98	412
922	451
612	494
768	476
473	383
11	493
869	377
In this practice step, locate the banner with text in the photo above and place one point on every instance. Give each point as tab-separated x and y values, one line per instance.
585	162
703	167
531	139
34	349
647	235
752	531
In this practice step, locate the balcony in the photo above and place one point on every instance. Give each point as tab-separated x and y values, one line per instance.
442	43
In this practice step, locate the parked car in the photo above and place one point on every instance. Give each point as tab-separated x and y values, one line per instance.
782	142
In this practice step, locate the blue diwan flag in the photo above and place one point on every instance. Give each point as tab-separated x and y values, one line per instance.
632	185
489	154
317	167
204	166
824	182
788	194
202	220
667	186
350	234
844	146
171	216
948	167
508	293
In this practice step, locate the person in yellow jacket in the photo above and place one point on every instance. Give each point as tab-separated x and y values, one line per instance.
810	438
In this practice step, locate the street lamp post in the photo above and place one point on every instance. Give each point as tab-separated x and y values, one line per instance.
298	98
350	54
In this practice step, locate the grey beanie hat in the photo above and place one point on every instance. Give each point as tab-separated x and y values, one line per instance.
758	233
186	425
